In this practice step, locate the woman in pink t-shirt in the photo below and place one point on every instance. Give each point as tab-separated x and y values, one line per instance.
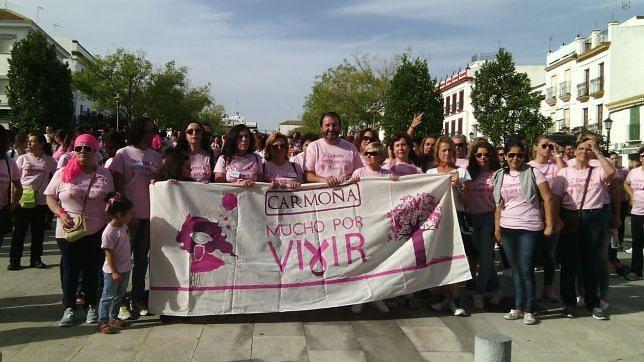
238	163
78	191
201	158
482	165
634	186
277	169
373	155
584	226
36	167
10	186
519	224
403	162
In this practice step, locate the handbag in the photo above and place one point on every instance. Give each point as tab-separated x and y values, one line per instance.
572	219
29	198
79	229
6	216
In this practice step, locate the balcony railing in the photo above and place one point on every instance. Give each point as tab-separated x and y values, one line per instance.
551	95
597	87
564	91
582	91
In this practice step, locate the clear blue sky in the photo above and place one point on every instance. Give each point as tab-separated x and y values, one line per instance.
262	56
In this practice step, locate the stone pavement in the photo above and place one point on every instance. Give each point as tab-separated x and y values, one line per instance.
30	309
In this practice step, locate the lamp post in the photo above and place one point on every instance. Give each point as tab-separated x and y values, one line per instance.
472	135
118	106
608	123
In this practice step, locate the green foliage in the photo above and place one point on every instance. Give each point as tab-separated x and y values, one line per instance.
412	91
39	90
504	103
212	115
355	90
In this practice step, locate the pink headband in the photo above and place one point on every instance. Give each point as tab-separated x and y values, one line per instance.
89	139
73	169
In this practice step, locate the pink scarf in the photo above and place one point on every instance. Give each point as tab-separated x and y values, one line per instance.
73	168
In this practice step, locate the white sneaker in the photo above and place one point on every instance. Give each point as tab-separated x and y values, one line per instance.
456	310
68	318
598	313
442	305
91	315
513	315
632	276
603	305
496	297
629	251
581	302
478	301
381	306
529	319
357	308
124	313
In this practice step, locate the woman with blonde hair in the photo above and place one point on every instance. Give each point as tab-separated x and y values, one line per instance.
277	169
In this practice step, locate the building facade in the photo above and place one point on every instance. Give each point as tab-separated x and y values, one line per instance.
456	91
598	77
290	125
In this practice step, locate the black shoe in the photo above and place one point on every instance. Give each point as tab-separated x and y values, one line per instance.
14	267
38	265
569	312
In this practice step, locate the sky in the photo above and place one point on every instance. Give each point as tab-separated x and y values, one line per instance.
262	56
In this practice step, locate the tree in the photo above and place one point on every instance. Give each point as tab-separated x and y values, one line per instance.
39	91
212	116
355	89
504	103
413	91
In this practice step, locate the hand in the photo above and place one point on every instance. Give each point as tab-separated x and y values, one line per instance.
354	179
548	231
418	119
274	185
293	185
497	236
172	181
454	176
66	220
116	276
246	183
333	181
153	181
595	148
393	177
556	148
206	182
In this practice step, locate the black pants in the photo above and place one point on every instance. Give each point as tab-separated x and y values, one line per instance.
23	218
637	223
623	210
80	257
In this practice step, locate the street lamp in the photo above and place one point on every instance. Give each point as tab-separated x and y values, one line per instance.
608	123
472	135
118	106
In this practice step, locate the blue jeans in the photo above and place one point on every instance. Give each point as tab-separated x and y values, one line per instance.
140	250
520	246
113	292
486	278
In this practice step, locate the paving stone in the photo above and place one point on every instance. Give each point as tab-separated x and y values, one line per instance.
279	329
432	339
175	342
279	348
225	342
447	356
330	337
337	356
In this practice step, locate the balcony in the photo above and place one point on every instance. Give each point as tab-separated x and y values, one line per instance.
593	126
551	96
564	91
597	87
582	92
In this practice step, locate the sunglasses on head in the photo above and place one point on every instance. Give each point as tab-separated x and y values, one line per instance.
196	131
513	155
81	149
549	146
371	153
278	146
481	155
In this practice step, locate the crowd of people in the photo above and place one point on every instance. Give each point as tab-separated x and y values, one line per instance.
544	205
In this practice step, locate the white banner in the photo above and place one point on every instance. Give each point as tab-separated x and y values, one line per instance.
223	249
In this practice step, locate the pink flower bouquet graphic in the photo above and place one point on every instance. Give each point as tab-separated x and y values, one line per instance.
412	216
200	237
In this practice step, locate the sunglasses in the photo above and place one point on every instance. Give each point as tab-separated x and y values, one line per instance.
549	146
372	154
481	155
196	131
83	149
459	145
641	154
367	138
501	154
278	146
513	155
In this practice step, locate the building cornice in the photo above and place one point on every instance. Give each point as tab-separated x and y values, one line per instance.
626	103
594	51
561	62
453	84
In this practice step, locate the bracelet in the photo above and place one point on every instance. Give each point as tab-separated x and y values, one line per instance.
60	212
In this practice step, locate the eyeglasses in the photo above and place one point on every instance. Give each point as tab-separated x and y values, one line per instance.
549	146
196	131
459	145
278	146
501	154
372	154
513	155
367	138
481	155
83	149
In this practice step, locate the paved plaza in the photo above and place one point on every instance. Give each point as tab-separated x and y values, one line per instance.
30	307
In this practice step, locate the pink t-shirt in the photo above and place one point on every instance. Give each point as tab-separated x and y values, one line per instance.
117	239
573	185
35	173
328	160
636	179
72	196
200	167
517	213
247	167
401	168
282	174
299	159
364	171
5	183
481	191
594	163
137	168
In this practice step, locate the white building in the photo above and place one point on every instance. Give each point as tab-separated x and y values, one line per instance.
231	121
456	91
287	126
594	77
15	27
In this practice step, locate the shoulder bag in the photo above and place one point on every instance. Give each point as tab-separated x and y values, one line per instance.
572	219
79	229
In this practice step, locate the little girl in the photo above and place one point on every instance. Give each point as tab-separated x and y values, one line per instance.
117	267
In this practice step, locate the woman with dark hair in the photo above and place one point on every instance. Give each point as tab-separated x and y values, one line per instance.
305	141
238	163
482	165
445	160
519	224
403	162
62	144
36	168
133	168
427	148
76	195
176	167
111	142
69	142
192	143
277	169
365	136
10	186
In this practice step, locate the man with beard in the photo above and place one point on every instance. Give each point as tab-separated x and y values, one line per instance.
331	160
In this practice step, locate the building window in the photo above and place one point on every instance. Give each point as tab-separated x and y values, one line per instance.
600	116
566	118
585	117
453	127
447	105
634	125
454	103
446	130
460	126
461	99
6	42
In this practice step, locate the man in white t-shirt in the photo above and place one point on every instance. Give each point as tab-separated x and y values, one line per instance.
331	160
460	141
